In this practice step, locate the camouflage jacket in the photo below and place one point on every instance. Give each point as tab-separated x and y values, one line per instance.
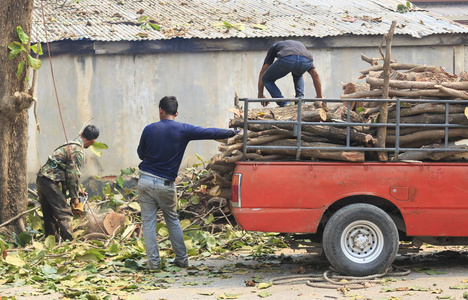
64	166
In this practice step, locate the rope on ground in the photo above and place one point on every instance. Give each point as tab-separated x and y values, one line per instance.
331	279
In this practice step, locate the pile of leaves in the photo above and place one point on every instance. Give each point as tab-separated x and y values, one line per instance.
116	265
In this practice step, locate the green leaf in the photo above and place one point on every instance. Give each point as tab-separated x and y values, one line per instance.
22	36
120	181
185	223
260	26
209	220
210	242
133	264
50	242
15	260
263	285
402	8
48	270
90	268
155	26
195	199
34	63
264	294
127	171
106	190
15	49
134	206
95	148
37	48
142	19
20	69
229	296
99	145
163	231
114	248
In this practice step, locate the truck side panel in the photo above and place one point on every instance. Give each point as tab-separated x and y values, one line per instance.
279	219
432	197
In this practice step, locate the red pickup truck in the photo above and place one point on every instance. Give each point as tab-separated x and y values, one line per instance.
359	211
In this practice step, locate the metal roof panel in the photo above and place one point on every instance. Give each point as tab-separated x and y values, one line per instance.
107	20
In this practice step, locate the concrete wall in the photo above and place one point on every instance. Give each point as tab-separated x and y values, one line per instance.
119	93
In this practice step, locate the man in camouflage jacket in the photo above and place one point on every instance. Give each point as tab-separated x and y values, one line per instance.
60	174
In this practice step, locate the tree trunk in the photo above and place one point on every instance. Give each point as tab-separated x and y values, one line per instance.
14	104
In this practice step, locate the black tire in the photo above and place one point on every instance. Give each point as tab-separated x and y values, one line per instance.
360	239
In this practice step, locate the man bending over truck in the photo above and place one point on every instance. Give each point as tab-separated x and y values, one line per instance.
291	57
162	146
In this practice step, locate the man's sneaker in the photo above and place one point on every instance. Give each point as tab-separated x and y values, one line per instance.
152	266
181	264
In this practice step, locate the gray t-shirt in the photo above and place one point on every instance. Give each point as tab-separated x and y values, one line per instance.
287	48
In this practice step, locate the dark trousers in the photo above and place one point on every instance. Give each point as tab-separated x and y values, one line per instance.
56	212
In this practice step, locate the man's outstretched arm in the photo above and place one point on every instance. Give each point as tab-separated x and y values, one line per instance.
317	83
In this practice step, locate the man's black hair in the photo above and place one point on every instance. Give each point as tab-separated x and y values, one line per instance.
90	132
169	104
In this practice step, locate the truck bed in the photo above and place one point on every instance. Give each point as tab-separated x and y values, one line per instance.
294	196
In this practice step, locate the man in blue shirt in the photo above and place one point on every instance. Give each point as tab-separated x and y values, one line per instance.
162	146
291	57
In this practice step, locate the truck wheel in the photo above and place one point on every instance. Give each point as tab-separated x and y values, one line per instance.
360	239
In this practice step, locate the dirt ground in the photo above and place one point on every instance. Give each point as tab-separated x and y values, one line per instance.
436	273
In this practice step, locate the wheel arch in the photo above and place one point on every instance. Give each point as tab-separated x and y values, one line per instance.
386	205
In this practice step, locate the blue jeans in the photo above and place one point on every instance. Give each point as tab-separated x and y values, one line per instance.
154	194
294	64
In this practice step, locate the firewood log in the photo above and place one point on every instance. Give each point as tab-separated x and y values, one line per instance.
317	130
453	93
422	108
340	155
453	118
429	136
255	141
430	155
218	191
404	84
221	181
396	93
394	66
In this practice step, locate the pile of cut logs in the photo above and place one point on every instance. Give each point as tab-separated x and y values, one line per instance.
407	81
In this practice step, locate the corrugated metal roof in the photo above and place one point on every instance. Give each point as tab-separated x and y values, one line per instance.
118	20
450	10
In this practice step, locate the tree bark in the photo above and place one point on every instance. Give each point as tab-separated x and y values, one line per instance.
424	108
339	155
382	131
396	93
459	118
317	130
429	136
430	155
394	66
405	84
14	104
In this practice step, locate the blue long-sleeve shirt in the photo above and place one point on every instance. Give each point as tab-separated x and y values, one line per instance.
162	145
